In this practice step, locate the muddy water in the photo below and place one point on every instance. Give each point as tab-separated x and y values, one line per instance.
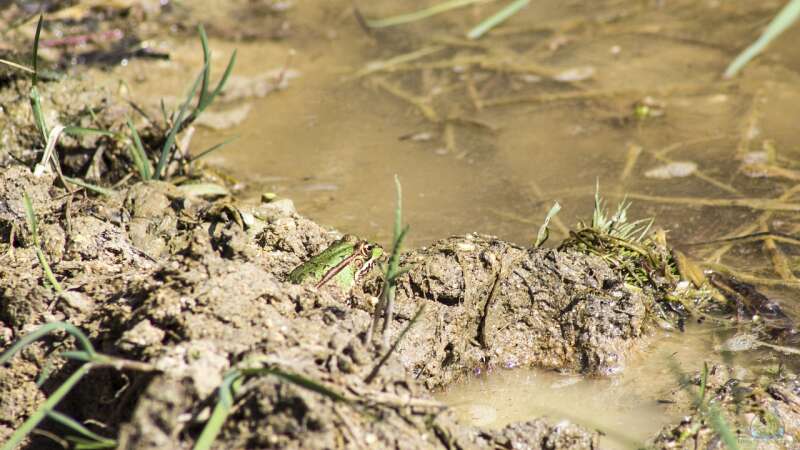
629	408
332	142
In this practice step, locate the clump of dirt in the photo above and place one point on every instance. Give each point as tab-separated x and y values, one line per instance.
69	102
497	305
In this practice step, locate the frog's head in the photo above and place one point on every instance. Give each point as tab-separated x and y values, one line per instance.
367	254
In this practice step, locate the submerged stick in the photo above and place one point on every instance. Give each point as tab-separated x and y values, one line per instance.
391	64
777	257
717	255
751	203
697	173
631	158
749	277
604	93
420	103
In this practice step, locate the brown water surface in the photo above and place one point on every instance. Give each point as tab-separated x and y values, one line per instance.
628	408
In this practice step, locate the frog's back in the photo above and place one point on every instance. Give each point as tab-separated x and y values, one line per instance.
316	267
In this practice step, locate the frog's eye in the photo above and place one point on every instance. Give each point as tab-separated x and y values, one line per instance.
366	250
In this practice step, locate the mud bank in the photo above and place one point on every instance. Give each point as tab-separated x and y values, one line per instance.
153	275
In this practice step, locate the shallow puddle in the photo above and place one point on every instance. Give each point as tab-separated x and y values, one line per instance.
629	408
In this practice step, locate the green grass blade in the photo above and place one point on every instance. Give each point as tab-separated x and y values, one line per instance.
544	230
206	97
206	65
30	216
229	386
79	355
420	14
36	49
37	416
213	148
718	423
44	330
48	273
783	20
33	227
82	444
38	116
394	258
90	186
374	372
496	19
170	141
307	383
47	370
139	155
74	425
222	409
703	383
164	114
392	268
222	82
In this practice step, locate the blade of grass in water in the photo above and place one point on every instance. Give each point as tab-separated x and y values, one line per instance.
420	14
498	18
206	97
213	148
783	20
718	423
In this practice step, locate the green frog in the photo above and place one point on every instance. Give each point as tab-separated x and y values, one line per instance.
343	263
